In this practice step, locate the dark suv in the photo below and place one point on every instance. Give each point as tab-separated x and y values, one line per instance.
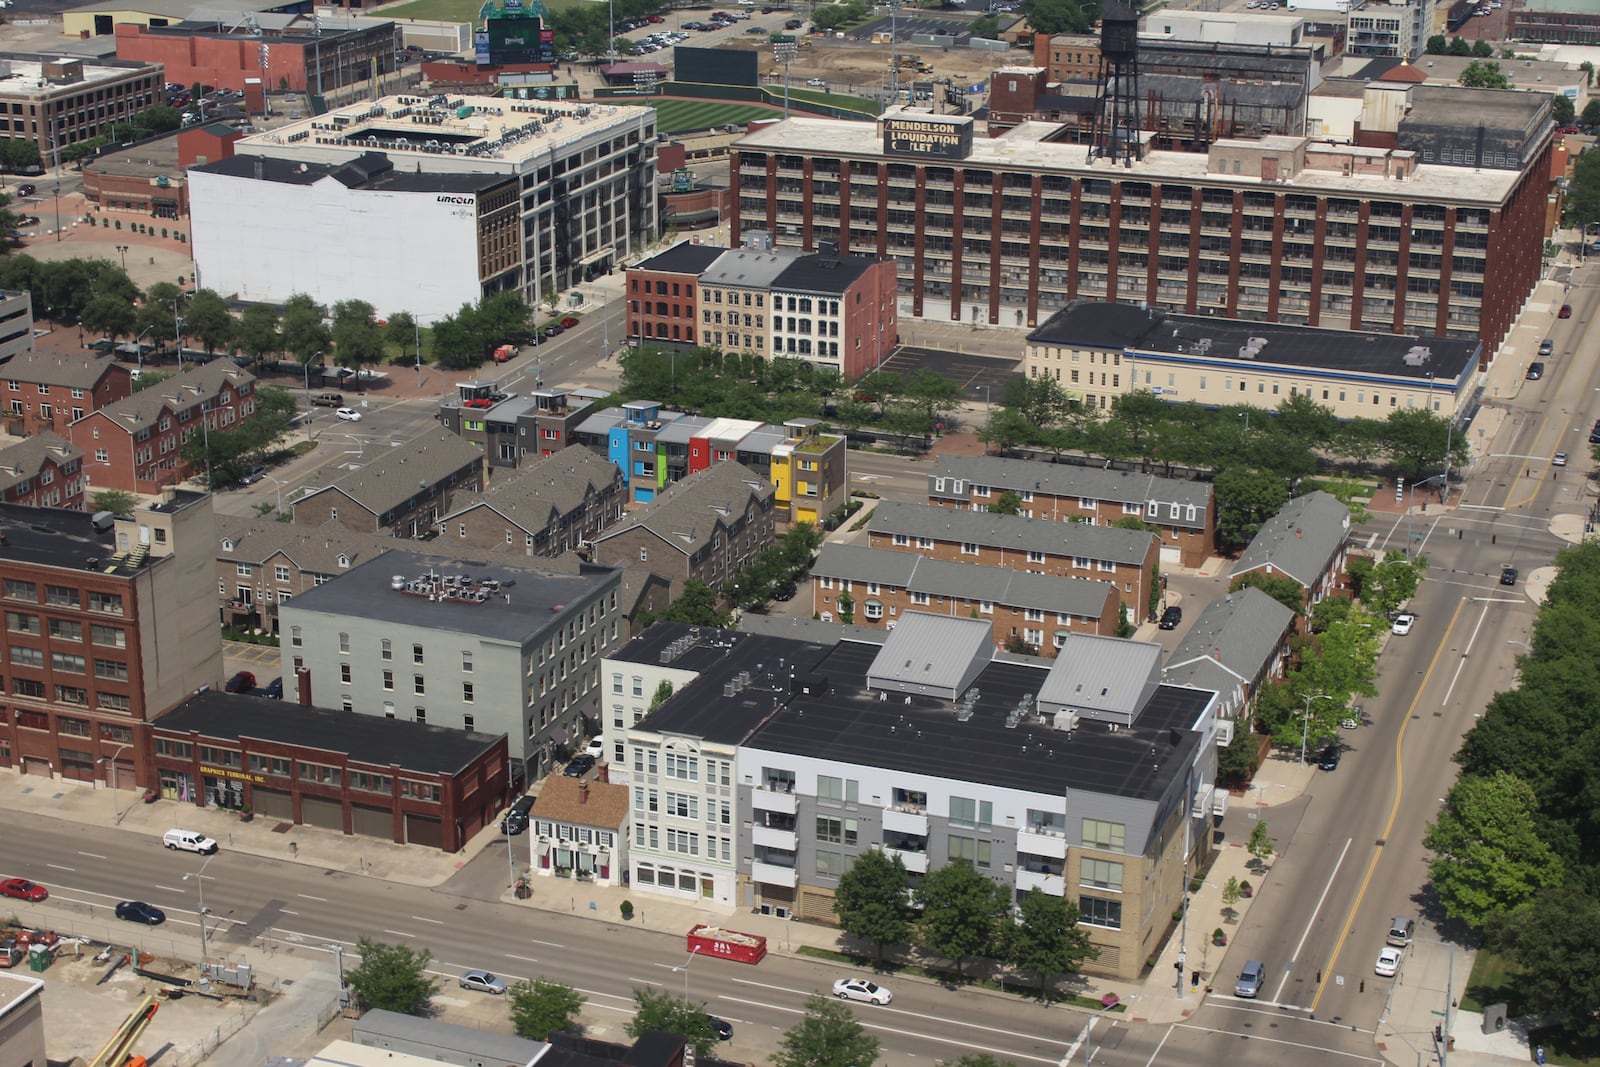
516	820
1171	617
1329	761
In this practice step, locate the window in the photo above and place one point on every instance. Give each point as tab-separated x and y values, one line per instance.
17	590
110	668
466	693
23	656
837	831
831	864
105	603
416	653
388	680
174	749
466	662
1095	911
60	596
1106	835
683	805
977	853
63	661
418	685
344	673
1102	874
685	768
17	622
964	811
296	639
386	649
683	842
1046	822
836	790
344	644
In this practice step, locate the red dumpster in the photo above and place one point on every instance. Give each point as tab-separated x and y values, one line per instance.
728	944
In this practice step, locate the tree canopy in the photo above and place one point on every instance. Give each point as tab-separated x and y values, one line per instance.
391	977
1488	858
829	1035
871	900
656	1009
961	912
540	1008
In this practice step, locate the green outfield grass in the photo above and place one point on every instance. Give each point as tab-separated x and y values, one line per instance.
451	10
682	116
852	103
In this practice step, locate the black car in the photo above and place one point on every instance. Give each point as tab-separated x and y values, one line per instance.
1508	576
1594	434
137	911
1535	371
516	820
274	689
1329	760
555	329
785	593
26	189
1171	617
722	1027
580	766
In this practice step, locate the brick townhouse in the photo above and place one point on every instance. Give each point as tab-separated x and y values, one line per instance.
548	506
46	391
1125	558
884	584
706	526
1185	512
133	444
43	471
401	491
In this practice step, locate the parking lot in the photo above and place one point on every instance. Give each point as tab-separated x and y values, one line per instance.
973	374
905	27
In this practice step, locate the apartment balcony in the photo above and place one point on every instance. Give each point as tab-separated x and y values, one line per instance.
771	874
1054	884
905	821
763	835
763	799
1042	843
914	861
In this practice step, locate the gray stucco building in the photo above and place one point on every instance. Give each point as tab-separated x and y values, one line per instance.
467	644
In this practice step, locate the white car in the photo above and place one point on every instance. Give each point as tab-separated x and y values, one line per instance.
597	747
349	414
820	83
1403	623
1388	962
483	982
861	989
1559	460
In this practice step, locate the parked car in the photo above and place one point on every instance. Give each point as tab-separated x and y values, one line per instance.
1402	624
1508	576
1329	760
596	747
1565	312
785	592
1547	347
1388	962
243	682
1594	434
348	415
581	765
274	689
1352	719
253	475
1251	979
861	989
569	322
721	1027
1535	371
555	329
22	889
1171	617
817	83
137	911
516	820
483	982
188	841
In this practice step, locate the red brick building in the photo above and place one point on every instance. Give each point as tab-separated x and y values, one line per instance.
351	50
392	780
662	304
149	179
43	471
46	392
133	444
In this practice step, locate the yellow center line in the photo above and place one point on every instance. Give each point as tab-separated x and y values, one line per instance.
1394	809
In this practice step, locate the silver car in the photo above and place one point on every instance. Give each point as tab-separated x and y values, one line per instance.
1251	979
483	982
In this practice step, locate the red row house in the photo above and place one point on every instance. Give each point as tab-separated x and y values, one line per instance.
662	293
46	392
43	472
135	444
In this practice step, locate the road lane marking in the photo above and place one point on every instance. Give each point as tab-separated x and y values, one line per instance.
1281	1041
91	855
1006	1053
1159	1046
1394	808
286	911
550	944
308	896
399	933
58	867
1311	920
1466	653
436	922
169	889
776	988
524	959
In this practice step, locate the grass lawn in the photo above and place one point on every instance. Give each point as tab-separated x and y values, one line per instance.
853	103
452	10
1493	980
679	116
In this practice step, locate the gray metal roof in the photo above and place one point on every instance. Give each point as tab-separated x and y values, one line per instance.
387	1029
1016	532
1301	540
966	581
1230	644
396	475
1071	480
1104	678
678	431
23	461
932	655
747	268
82	370
688	512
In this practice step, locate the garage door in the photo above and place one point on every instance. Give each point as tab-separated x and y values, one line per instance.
1171	555
272	803
35	765
320	811
424	830
372	822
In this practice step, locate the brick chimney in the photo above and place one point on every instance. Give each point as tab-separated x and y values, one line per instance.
583	792
302	682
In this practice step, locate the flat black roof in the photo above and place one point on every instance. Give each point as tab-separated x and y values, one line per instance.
818	273
368	739
370	170
52	537
718	656
685	258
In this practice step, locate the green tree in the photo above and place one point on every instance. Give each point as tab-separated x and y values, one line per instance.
1460	46
1583	193
1231	893
871	900
1562	110
1260	844
1051	17
391	977
695	605
1438	45
1236	761
540	1008
1046	938
1591	111
662	694
1245	500
828	1036
660	1010
1329	610
1552	940
1488	855
1125	626
1482	49
109	316
1280	587
1484	75
847	607
303	330
985	26
1019	645
234	450
257	331
209	320
1007	503
1384	585
961	911
357	338
401	331
115	501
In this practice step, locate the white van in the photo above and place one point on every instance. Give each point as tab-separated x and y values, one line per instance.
189	841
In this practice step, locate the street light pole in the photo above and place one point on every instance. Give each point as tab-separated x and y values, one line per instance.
116	811
200	881
685	970
1305	726
138	343
123	249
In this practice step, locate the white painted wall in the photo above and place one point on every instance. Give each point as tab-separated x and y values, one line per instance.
399	251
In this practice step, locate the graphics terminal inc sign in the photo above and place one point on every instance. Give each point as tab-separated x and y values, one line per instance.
927	137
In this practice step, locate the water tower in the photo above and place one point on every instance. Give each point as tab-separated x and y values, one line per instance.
1116	125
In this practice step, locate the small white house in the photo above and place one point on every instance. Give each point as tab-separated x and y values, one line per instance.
579	829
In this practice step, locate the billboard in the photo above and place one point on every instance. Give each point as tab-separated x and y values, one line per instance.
520	40
715	66
928	136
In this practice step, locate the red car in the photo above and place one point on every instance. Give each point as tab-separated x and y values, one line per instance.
1565	312
569	322
22	889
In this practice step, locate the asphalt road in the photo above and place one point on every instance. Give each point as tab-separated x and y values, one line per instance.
252	899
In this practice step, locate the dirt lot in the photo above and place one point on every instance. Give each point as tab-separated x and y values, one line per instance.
859	67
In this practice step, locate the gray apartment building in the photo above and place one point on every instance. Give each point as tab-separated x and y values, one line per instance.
480	646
